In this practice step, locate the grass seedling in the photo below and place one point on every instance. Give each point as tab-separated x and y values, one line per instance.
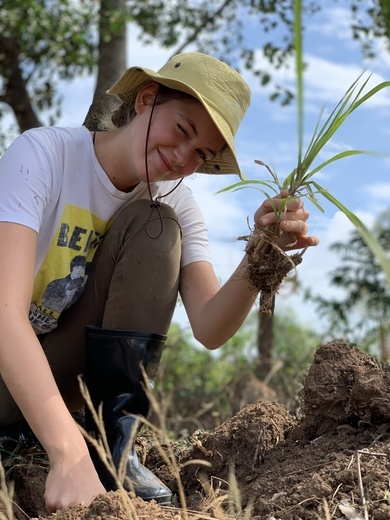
266	276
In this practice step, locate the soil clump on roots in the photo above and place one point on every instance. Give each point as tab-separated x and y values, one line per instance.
330	461
268	265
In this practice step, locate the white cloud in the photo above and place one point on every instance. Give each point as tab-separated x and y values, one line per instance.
77	100
138	53
334	24
379	191
328	82
222	212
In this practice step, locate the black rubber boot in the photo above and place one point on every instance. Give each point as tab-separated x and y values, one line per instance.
113	376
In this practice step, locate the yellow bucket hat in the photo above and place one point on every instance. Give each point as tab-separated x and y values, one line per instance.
219	88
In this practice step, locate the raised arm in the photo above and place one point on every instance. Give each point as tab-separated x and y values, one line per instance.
23	365
215	312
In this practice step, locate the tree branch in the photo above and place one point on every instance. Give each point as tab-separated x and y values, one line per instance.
198	30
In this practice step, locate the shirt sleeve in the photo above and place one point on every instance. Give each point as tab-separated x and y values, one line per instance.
195	247
25	182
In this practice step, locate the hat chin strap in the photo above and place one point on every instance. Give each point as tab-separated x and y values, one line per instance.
154	203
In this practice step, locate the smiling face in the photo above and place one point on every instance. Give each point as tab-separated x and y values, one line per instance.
182	136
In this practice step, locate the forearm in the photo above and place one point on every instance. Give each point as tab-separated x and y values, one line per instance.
216	313
28	376
223	310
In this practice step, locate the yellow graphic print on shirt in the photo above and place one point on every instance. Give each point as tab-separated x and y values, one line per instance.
63	274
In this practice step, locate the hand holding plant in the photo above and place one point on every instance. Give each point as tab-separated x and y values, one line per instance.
280	226
268	262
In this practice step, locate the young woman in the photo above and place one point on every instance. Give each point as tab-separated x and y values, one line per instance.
97	236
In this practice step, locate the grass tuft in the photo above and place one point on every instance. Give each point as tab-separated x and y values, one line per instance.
300	182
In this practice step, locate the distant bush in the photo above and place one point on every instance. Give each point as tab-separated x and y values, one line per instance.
202	388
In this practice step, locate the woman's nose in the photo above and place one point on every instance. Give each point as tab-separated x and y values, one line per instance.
183	154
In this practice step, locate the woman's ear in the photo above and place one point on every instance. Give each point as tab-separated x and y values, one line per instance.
145	97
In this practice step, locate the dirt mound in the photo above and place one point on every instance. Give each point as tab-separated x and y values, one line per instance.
344	386
265	464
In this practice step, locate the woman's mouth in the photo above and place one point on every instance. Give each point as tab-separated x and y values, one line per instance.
165	162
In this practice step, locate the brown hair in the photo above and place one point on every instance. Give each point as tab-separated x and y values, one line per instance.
125	113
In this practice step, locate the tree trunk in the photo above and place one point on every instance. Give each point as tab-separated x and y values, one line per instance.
384	349
111	60
265	340
15	88
385	13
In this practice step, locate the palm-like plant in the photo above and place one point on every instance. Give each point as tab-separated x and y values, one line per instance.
262	244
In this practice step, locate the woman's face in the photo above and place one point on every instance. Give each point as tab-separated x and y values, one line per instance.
182	136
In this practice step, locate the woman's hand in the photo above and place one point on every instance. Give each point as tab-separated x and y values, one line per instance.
292	221
26	372
72	480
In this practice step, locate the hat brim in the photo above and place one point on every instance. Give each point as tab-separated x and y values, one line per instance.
127	88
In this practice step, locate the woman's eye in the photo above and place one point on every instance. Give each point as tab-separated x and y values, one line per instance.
183	130
202	155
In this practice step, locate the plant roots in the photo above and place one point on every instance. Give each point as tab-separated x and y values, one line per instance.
268	265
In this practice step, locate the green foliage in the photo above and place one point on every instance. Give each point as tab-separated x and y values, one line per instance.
299	182
52	40
361	315
294	347
200	385
58	39
218	28
370	22
51	31
192	378
295	344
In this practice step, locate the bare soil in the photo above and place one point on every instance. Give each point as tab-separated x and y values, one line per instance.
332	461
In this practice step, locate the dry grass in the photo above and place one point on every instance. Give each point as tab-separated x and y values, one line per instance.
6	496
217	504
101	447
223	507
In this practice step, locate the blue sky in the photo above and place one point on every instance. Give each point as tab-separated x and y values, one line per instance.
269	133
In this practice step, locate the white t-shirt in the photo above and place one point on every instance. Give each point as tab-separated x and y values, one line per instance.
52	182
